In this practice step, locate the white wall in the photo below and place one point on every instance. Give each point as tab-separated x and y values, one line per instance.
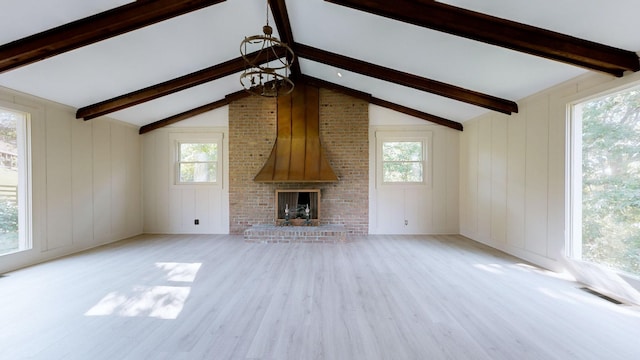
512	173
169	209
86	181
430	210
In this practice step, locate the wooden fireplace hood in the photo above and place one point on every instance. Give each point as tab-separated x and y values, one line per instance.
297	155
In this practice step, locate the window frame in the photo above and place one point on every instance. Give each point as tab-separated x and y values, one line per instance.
574	241
177	139
424	137
24	191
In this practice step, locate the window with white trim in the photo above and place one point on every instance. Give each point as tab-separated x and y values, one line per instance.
15	181
605	181
403	158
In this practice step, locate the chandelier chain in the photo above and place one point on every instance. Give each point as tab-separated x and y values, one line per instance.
267	12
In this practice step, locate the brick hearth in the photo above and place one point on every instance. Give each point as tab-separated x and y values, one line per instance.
295	234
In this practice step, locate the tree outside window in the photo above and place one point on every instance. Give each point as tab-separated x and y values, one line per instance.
402	162
611	181
14	207
198	163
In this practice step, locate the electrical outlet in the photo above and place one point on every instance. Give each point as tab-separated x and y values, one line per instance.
196	221
406	222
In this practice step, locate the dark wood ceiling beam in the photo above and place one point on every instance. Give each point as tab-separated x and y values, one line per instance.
281	17
419	114
310	81
501	32
182	116
237	96
193	112
335	87
386	104
406	79
92	29
166	88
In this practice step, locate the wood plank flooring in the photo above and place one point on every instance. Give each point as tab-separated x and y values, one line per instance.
378	297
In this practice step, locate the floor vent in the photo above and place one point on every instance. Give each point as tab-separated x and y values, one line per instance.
602	296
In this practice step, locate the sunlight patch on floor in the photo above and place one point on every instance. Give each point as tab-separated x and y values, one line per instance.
491	268
185	272
565	275
162	302
557	295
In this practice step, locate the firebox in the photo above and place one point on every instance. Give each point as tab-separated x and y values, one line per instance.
298	207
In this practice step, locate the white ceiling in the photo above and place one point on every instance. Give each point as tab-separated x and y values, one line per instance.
207	37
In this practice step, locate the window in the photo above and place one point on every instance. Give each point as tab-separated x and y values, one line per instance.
403	157
14	181
198	163
402	161
605	181
197	159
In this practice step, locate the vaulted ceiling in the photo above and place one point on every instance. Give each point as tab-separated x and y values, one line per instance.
152	63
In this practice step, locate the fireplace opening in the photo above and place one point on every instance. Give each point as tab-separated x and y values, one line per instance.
298	207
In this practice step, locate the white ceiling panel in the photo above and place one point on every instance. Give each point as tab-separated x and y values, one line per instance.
21	18
424	52
179	102
612	22
138	59
207	37
401	95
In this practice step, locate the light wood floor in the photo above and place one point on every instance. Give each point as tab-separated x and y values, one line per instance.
379	297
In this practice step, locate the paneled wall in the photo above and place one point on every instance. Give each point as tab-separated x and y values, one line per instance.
170	209
512	173
431	209
86	180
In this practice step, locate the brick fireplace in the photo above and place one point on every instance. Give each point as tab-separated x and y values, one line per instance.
344	126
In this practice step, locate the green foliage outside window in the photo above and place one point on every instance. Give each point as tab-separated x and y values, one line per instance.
8	181
8	226
198	162
402	161
611	181
8	216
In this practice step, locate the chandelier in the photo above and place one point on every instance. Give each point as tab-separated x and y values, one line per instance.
267	64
